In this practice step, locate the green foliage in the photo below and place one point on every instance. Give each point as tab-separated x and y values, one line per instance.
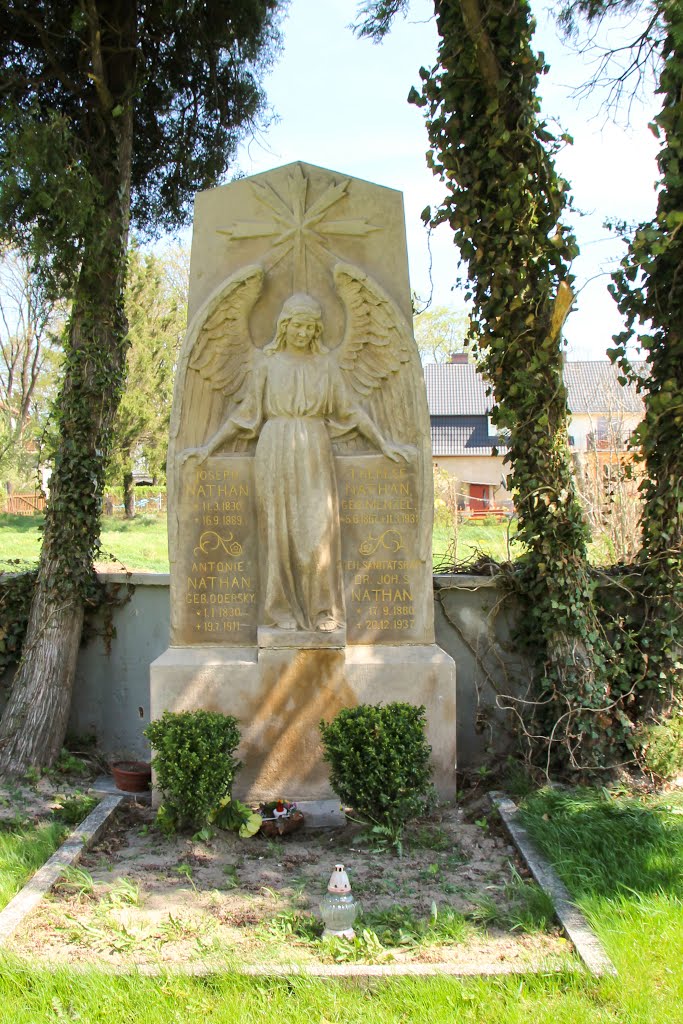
649	292
50	194
31	325
112	114
76	881
608	844
376	17
364	947
439	332
194	764
141	491
399	926
529	909
294	923
156	310
72	810
22	851
637	918
379	764
16	593
236	816
660	747
68	764
505	201
191	82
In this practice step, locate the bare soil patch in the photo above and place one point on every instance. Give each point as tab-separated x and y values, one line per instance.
458	895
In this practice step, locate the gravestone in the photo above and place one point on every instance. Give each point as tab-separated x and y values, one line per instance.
299	478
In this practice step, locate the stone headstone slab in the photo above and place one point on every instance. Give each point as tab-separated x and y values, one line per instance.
300	477
299	464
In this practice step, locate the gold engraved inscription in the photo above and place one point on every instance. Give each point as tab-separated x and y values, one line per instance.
390	539
378	496
379	511
220	575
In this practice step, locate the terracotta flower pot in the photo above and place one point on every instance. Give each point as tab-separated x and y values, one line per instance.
131	776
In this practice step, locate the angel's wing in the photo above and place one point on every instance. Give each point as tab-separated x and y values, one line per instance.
214	365
381	364
376	355
223	348
216	360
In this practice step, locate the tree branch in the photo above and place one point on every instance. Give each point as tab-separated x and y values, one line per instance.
491	72
98	77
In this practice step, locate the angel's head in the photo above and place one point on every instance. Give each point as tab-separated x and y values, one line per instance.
299	326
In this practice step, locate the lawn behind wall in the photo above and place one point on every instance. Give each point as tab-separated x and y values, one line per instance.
140	544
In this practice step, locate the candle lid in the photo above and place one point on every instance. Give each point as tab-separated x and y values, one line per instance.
339	880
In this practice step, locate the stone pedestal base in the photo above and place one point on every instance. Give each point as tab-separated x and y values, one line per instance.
279	697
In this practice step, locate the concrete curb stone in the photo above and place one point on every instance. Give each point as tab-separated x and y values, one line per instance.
574	924
68	854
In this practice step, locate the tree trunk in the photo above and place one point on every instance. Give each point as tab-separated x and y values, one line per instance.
34	723
35	719
129	495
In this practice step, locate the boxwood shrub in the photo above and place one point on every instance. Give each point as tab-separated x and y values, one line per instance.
194	764
379	764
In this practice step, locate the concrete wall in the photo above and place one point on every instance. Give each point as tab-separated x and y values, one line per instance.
111	697
474	621
111	693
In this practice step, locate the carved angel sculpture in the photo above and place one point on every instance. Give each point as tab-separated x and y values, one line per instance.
298	398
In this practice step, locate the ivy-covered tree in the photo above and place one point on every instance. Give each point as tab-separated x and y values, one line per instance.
504	202
156	310
648	289
114	111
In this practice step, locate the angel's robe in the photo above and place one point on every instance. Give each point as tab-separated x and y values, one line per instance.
295	403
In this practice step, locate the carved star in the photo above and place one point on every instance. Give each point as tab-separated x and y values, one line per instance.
294	226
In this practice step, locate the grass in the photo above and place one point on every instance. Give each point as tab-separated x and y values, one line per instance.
23	849
622	860
382	934
497	539
476	537
141	544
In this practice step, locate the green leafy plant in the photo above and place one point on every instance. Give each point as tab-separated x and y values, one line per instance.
74	809
124	892
379	764
507	207
363	948
77	882
661	747
194	764
68	764
237	817
399	926
293	923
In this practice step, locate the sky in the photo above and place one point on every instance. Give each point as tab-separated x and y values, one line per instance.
341	103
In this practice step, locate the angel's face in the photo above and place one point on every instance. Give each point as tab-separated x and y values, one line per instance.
300	331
